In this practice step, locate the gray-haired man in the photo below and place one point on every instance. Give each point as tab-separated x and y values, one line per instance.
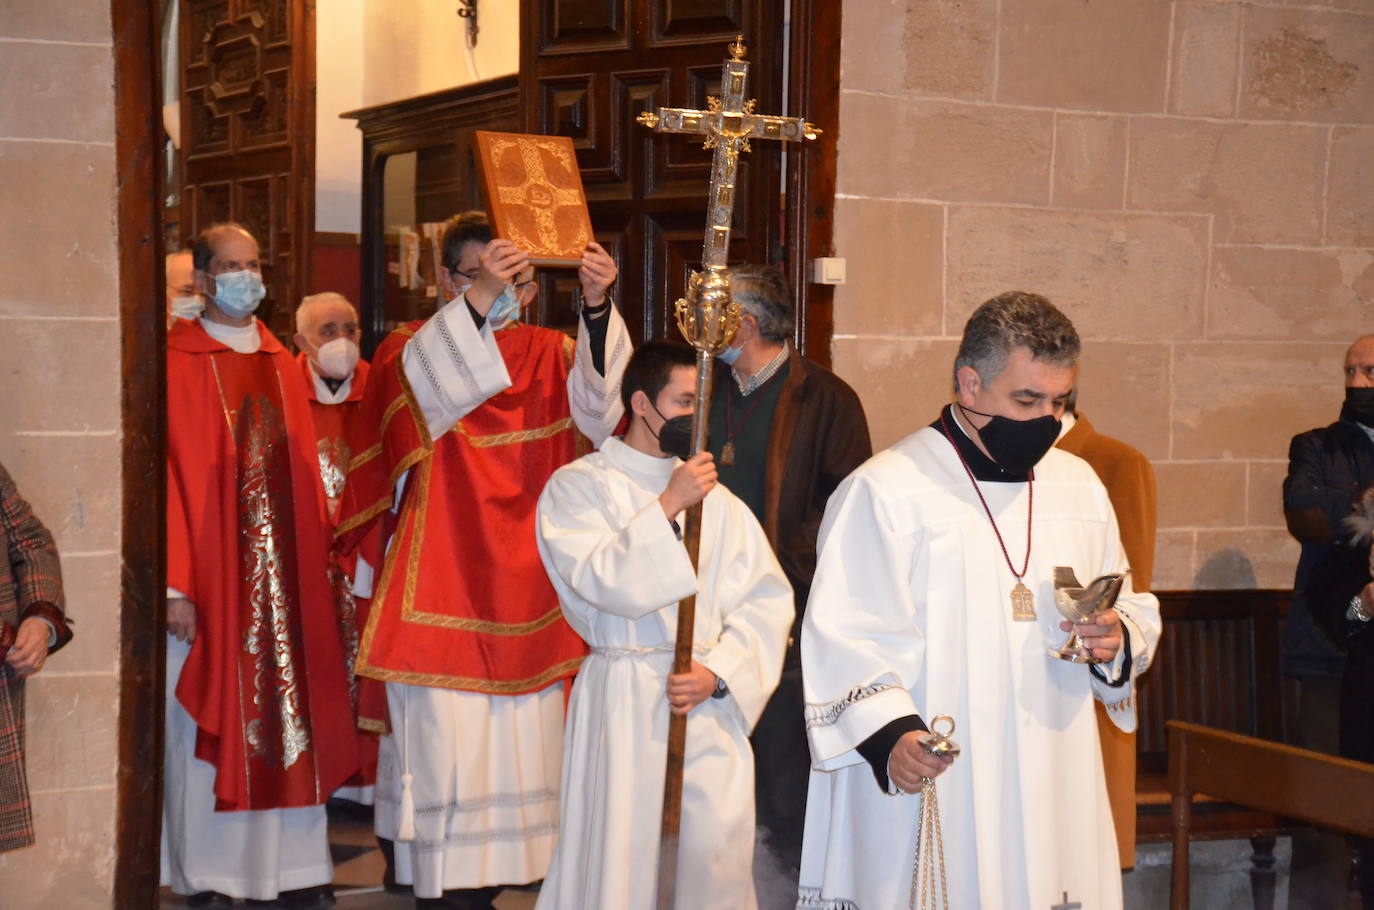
784	431
934	594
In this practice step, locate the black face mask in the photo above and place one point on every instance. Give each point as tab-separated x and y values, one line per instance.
1359	406
1017	445
675	436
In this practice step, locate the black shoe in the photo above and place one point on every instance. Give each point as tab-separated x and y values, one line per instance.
460	899
319	897
389	883
210	899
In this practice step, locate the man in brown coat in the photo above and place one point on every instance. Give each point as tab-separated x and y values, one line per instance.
32	626
1130	483
784	432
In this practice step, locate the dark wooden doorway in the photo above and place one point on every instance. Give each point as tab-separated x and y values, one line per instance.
248	122
143	408
588	67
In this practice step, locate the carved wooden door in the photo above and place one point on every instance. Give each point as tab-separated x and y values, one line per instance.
587	68
248	115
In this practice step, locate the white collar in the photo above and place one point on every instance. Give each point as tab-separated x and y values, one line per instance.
244	339
1066	424
653	469
750	384
322	392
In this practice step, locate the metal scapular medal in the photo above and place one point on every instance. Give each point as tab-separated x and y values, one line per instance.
929	857
1022	603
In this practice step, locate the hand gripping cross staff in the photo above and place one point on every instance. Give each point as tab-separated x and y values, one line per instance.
708	318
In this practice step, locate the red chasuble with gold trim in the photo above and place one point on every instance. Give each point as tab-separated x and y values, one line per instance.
247	543
462	601
332	422
331	429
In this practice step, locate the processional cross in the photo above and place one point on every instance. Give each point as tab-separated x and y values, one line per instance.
708	318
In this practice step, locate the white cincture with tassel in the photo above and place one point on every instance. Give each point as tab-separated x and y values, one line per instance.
405	825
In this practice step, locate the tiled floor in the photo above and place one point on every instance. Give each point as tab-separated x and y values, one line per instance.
1220	880
358	867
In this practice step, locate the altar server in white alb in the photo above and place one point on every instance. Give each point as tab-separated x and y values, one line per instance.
912	615
609	536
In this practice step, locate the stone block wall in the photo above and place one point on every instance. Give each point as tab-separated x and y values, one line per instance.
59	421
1192	182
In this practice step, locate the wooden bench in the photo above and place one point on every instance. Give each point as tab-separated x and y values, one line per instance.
1282	781
1218	666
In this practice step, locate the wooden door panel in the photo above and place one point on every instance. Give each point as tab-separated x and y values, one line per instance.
266	123
210	202
553	306
695	21
574	106
247	97
201	18
254	204
647	191
582	26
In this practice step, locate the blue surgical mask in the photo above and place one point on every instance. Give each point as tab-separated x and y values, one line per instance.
730	355
238	294
505	308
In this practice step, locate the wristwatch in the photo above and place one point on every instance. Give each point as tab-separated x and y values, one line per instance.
1356	611
721	689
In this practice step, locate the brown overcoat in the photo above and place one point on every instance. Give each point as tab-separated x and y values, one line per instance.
819	435
1130	483
30	585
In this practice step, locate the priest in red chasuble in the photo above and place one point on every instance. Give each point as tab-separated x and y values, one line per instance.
259	726
465	418
335	374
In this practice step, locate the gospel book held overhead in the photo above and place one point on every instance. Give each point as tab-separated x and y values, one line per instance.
534	194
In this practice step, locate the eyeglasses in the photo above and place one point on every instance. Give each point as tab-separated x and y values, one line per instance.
471	277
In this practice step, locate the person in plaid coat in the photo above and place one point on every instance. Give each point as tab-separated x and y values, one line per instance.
32	626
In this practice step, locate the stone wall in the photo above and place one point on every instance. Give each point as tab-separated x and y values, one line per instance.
59	420
1192	182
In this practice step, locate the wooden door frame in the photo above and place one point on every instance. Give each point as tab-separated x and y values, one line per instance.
815	54
143	407
813	92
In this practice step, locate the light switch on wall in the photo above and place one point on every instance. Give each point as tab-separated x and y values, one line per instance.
828	270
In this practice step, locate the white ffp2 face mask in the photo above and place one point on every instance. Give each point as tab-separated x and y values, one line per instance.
336	359
188	307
